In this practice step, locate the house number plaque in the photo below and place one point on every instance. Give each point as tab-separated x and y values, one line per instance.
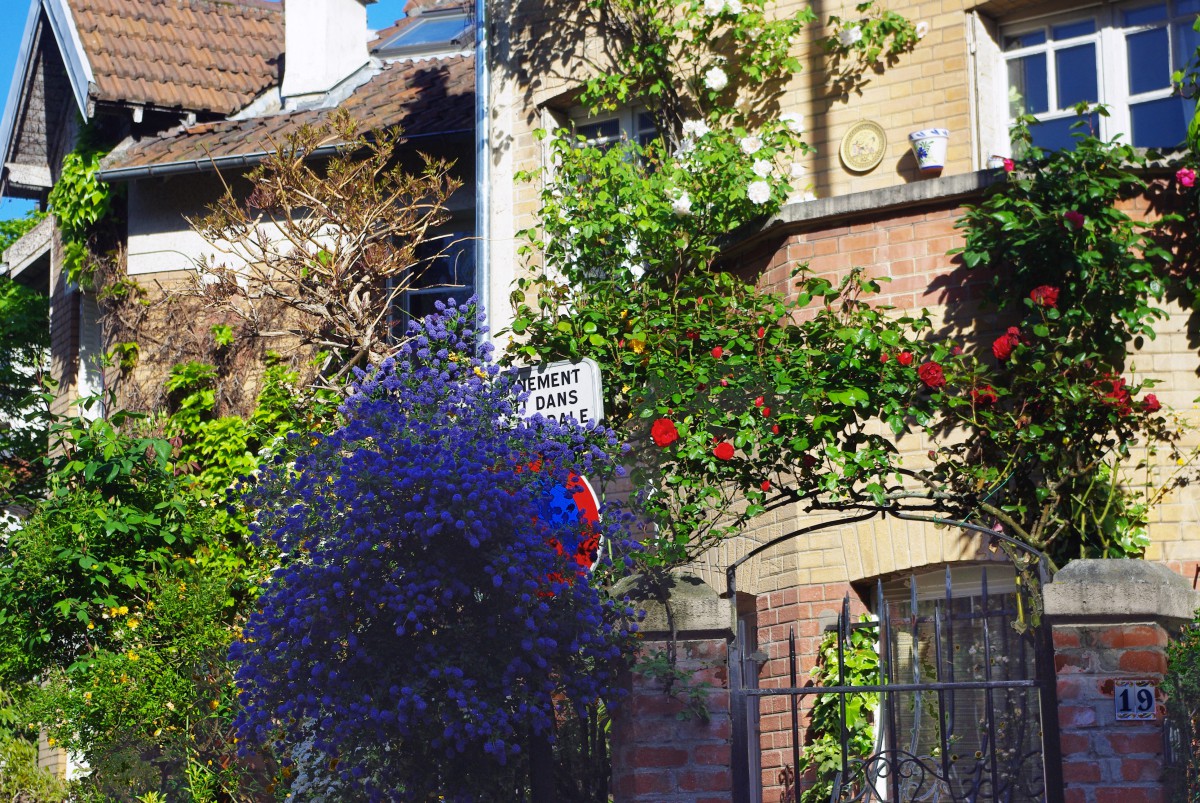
1135	700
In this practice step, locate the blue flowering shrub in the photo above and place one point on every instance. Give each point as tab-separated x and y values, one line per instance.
434	603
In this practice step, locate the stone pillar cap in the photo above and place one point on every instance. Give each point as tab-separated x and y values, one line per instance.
694	607
1104	588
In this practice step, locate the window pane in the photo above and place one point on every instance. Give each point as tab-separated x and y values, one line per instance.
1076	67
1037	37
429	32
1146	15
1056	135
1187	6
1186	42
603	130
1149	61
1161	123
1072	29
1027	85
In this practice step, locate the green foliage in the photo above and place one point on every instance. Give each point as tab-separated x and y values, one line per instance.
1182	687
822	756
866	43
80	201
21	780
25	335
13	230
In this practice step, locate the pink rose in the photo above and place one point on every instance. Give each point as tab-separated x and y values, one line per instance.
1009	165
1186	176
1074	220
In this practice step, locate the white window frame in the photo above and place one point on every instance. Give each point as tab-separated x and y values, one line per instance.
990	73
627	118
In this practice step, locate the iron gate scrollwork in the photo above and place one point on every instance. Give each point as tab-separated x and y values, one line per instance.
962	709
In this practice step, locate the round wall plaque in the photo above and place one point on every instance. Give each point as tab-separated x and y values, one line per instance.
863	146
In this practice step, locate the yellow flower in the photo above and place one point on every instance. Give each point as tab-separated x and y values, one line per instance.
133	624
479	373
50	741
87	695
91	626
638	346
124	609
214	704
133	656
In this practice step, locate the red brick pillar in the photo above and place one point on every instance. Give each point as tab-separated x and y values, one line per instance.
659	757
1111	620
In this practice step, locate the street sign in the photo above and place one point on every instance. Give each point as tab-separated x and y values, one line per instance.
577	501
559	390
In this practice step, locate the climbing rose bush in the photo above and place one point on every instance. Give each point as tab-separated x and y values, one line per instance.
432	604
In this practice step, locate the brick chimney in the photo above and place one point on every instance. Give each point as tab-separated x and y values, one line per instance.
325	41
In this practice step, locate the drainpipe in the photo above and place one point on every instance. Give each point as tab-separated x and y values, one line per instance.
482	162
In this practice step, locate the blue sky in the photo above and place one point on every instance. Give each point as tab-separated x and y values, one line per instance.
12	26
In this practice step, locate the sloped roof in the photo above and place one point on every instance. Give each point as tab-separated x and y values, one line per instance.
196	55
432	96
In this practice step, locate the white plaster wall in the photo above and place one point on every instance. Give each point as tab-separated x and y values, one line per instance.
325	41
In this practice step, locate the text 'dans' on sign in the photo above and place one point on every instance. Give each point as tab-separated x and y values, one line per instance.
560	390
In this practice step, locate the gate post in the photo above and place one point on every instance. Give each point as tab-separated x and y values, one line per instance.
656	755
1111	620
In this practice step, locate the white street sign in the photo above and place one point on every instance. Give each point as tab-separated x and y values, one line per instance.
561	389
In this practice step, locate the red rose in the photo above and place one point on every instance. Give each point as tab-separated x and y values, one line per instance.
808	461
1009	165
932	375
759	402
663	432
766	411
690	334
775	429
883	357
905	358
1003	346
723	451
762	331
1045	296
766	485
1114	393
984	396
1074	220
717	351
1150	404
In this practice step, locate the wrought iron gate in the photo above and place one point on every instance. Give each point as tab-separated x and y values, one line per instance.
962	707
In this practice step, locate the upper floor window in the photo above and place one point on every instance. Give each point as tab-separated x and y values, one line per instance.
628	123
447	271
432	32
1121	57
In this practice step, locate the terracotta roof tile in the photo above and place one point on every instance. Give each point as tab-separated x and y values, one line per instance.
197	55
423	97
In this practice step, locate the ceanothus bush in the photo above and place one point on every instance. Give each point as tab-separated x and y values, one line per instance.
433	603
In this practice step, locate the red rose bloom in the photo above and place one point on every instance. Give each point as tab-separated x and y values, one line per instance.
1002	347
1150	404
1009	165
1113	392
723	451
717	351
1074	220
690	334
984	396
775	429
1045	296
883	357
766	411
905	358
762	331
932	375
766	485
759	402
663	432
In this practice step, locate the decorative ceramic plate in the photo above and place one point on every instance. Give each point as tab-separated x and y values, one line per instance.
863	146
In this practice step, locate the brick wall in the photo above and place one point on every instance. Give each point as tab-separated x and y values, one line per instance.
659	757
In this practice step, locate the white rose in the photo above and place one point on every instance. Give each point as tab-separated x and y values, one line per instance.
922	29
716	79
751	145
763	168
797	170
849	36
759	192
714	7
695	128
734	6
682	205
633	248
794	122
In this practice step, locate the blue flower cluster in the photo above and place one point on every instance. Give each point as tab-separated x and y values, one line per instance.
428	612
